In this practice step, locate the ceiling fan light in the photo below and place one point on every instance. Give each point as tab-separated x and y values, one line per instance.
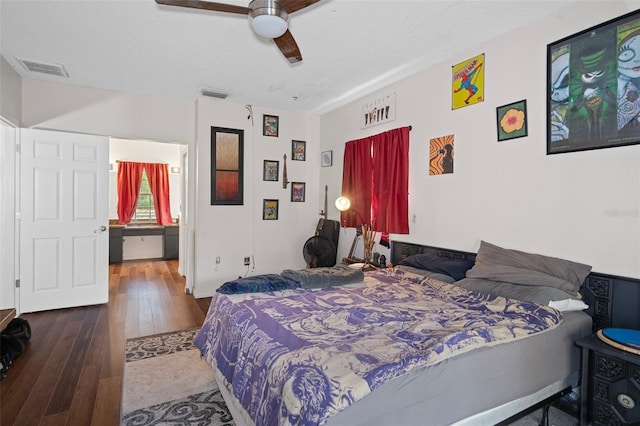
267	19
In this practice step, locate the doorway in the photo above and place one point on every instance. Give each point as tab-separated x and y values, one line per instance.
152	243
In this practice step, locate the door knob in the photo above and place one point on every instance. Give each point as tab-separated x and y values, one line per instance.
101	229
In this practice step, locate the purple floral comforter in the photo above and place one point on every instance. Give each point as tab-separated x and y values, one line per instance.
300	356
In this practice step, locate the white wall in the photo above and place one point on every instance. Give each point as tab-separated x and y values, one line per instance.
230	232
10	93
145	152
583	206
233	232
77	109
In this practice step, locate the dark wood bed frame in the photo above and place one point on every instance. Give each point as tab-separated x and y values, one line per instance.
613	301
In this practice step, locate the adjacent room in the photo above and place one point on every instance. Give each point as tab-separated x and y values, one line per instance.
279	212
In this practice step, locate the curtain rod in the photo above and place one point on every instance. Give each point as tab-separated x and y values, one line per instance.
140	162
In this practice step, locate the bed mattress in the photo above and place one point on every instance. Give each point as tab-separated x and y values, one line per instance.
478	388
474	382
467	384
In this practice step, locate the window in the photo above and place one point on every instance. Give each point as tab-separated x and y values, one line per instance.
145	210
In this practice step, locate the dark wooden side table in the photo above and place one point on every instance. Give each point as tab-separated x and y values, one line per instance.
610	384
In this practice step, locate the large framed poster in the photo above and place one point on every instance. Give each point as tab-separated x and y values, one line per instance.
593	87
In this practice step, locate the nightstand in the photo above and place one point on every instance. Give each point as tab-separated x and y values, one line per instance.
610	384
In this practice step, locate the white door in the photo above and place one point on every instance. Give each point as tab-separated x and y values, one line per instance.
64	218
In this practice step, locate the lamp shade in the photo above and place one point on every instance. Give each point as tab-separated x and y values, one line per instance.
267	19
343	204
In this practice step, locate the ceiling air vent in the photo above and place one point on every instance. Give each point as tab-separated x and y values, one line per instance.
43	67
213	94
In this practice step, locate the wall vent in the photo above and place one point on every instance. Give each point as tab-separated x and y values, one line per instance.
43	67
213	94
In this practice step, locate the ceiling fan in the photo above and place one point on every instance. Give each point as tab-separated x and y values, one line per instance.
268	19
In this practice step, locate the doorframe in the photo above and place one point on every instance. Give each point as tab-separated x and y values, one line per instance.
9	216
184	206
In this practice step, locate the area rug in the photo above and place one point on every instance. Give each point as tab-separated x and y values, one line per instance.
167	383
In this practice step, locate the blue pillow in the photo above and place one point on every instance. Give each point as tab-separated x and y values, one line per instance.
455	268
257	284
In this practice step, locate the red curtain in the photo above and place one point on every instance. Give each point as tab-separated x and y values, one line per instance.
356	183
129	179
375	178
390	188
158	176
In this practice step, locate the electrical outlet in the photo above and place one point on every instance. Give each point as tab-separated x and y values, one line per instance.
247	261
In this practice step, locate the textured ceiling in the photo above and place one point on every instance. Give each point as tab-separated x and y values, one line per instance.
350	48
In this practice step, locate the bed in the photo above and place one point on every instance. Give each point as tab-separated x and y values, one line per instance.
424	342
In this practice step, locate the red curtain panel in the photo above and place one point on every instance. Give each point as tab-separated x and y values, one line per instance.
390	189
356	183
158	175
128	188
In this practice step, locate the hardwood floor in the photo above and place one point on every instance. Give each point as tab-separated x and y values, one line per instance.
71	372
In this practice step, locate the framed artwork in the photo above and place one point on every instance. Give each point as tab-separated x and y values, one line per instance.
441	155
467	79
227	169
270	170
511	120
270	125
270	209
378	110
327	158
298	150
297	192
592	87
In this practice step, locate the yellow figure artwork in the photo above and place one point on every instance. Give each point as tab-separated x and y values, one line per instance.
468	82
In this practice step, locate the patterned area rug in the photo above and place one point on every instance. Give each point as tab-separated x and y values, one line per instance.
167	383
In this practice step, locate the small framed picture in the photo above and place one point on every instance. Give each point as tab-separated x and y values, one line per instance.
512	120
270	125
297	192
270	170
270	209
298	150
327	158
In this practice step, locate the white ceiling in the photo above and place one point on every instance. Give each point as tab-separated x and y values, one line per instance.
349	47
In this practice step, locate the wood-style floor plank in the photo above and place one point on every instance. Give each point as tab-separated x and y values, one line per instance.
71	371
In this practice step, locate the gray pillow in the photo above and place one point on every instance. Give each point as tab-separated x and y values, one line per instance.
541	295
518	267
455	268
430	274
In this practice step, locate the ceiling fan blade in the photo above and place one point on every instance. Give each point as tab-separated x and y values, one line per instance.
293	5
288	46
207	5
